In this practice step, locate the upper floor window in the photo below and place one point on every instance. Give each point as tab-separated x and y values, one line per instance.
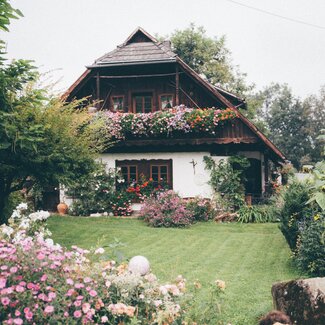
166	101
142	103
118	103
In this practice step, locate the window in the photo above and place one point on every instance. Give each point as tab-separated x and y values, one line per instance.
129	174
118	103
159	173
158	169
142	103
166	101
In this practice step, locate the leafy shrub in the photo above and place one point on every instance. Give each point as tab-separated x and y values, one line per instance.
310	253
93	193
201	209
166	210
226	179
120	203
294	211
43	283
250	214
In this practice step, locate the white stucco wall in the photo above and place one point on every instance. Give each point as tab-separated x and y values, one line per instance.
185	181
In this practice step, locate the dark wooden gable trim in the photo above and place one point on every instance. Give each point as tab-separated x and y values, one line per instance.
139	35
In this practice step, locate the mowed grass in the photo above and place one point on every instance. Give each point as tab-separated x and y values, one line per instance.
249	257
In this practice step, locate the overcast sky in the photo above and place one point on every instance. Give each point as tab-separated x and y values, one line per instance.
66	35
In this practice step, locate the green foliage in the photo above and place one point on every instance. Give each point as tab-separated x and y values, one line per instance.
291	123
209	310
310	254
210	57
318	185
294	211
201	209
42	139
7	12
257	214
93	192
226	179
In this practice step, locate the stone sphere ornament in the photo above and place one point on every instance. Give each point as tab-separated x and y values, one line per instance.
139	265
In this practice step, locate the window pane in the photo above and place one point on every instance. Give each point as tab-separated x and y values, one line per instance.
166	101
124	172
147	104
118	103
138	104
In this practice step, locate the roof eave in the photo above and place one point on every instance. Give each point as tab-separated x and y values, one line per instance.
123	63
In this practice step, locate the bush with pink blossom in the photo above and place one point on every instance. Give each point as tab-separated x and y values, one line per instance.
44	283
167	209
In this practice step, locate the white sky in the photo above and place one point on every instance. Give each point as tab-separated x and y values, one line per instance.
69	34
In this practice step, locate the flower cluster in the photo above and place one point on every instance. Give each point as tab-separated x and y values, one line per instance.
145	188
178	121
166	210
41	283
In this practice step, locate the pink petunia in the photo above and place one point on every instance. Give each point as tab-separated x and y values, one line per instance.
69	281
5	301
49	309
29	315
93	293
3	282
20	288
85	307
18	321
77	314
43	278
40	256
13	269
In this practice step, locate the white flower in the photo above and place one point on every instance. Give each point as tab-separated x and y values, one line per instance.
24	224
16	214
100	250
7	230
22	206
49	242
39	215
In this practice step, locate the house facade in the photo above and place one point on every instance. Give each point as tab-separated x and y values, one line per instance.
142	76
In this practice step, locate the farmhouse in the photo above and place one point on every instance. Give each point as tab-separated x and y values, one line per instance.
143	76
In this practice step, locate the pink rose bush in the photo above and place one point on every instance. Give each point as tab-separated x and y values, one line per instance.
44	283
178	121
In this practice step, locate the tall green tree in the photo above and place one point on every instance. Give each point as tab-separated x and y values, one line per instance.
42	140
210	57
315	104
288	120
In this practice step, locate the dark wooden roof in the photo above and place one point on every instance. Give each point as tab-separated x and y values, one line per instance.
140	47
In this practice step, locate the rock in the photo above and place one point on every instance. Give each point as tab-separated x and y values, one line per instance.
302	300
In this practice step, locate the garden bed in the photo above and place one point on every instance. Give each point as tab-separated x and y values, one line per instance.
249	257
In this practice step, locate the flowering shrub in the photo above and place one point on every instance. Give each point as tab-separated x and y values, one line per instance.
93	194
43	283
166	210
201	209
168	123
120	203
145	188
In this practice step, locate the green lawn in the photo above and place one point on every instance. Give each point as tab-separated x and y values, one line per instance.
249	257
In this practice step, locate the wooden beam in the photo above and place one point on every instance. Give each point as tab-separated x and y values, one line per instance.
98	89
177	86
139	76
